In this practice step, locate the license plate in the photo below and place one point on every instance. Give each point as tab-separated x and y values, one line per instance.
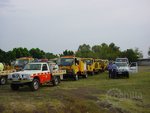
119	72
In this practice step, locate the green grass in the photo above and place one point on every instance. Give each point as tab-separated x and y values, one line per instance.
97	94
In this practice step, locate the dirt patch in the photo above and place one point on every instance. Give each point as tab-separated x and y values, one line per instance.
76	100
76	94
117	110
111	108
104	104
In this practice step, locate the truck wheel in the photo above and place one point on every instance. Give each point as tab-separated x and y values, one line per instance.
86	75
76	77
127	75
92	73
35	85
14	87
55	81
3	80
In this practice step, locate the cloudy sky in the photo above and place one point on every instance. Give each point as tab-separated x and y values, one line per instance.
56	25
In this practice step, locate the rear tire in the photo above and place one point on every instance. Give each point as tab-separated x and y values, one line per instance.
35	85
86	75
55	81
3	80
14	87
76	77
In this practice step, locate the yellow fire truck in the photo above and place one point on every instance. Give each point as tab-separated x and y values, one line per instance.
74	67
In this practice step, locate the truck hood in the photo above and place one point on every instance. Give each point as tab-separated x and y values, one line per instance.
123	68
28	72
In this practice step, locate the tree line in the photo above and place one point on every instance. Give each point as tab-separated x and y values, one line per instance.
102	51
7	57
105	51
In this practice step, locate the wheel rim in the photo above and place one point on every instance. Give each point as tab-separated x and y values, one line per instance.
56	81
3	81
86	75
36	85
76	77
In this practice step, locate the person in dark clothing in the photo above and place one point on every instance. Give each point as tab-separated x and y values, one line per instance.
114	70
110	69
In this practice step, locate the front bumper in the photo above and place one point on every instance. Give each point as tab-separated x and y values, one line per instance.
12	81
122	73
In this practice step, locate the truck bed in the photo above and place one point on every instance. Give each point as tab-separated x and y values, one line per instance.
6	72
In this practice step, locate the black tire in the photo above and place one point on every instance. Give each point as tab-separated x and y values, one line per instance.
76	77
35	85
127	75
14	87
3	80
92	73
86	75
55	81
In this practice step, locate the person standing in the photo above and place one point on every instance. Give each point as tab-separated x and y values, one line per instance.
110	69
114	70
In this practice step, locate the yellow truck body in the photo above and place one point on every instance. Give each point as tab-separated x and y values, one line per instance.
93	65
74	67
21	62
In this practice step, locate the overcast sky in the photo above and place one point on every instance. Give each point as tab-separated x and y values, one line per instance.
56	25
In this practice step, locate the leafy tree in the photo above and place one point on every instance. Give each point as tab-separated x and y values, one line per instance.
20	52
68	52
105	51
37	53
84	48
84	51
138	53
2	55
130	54
50	55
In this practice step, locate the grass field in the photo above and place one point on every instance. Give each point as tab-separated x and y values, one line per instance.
97	94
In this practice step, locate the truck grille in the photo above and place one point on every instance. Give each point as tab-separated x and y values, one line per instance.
15	76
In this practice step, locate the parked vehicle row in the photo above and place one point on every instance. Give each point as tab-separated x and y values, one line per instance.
76	67
36	73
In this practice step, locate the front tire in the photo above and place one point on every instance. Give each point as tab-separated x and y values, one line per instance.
14	87
35	85
3	80
55	81
127	75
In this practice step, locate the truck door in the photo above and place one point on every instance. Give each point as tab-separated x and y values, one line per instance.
134	67
45	73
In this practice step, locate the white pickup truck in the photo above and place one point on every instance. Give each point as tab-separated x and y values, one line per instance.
35	74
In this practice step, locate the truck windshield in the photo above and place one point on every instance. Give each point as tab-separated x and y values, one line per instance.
88	62
66	61
21	62
122	60
33	67
121	64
